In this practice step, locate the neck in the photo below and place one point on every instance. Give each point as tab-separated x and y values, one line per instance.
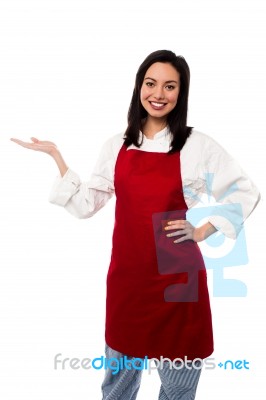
151	126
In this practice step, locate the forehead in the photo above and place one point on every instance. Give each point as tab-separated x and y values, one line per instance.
162	72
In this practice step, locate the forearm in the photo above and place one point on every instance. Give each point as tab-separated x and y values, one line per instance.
203	232
60	162
81	199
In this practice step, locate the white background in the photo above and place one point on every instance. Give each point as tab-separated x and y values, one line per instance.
67	72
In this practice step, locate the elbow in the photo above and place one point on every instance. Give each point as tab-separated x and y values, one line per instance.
79	212
84	215
59	199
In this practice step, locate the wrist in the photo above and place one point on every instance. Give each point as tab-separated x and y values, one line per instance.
203	232
55	153
199	234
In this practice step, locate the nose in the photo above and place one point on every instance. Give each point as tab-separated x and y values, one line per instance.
159	93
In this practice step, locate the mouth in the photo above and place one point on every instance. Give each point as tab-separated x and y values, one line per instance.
157	106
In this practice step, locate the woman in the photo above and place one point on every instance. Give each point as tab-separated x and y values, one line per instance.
157	298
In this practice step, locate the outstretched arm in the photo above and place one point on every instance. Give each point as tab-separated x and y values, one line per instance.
45	147
81	199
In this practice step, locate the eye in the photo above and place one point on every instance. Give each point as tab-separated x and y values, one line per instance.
150	84
170	87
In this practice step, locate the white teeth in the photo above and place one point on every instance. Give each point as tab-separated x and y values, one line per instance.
157	104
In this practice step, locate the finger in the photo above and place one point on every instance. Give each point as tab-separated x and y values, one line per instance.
35	140
178	233
42	142
182	239
175	227
15	140
20	142
176	221
179	224
31	146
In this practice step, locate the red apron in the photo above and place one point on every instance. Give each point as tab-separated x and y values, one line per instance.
157	296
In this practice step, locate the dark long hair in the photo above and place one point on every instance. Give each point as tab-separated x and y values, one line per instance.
177	118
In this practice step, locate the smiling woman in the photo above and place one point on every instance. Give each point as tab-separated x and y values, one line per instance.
160	99
152	309
159	95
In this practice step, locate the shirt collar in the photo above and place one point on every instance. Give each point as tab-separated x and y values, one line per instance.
159	135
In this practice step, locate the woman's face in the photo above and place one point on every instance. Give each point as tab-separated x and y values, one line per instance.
160	90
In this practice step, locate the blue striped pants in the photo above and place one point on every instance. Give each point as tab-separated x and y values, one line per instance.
176	384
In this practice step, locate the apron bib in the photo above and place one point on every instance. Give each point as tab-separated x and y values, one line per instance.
157	297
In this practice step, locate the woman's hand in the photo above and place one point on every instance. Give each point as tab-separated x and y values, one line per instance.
38	145
188	231
46	147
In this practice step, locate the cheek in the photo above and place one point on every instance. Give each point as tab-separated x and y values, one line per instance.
173	97
144	93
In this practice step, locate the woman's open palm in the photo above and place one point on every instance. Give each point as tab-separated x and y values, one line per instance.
38	145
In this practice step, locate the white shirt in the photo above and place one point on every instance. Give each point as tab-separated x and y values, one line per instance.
203	161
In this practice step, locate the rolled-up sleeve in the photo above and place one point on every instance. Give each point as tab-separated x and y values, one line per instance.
84	199
231	187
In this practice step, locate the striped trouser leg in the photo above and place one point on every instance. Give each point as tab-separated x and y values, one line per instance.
179	384
124	383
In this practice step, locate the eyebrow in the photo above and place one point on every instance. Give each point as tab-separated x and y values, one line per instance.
165	81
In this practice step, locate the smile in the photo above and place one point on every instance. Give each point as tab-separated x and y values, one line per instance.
157	106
